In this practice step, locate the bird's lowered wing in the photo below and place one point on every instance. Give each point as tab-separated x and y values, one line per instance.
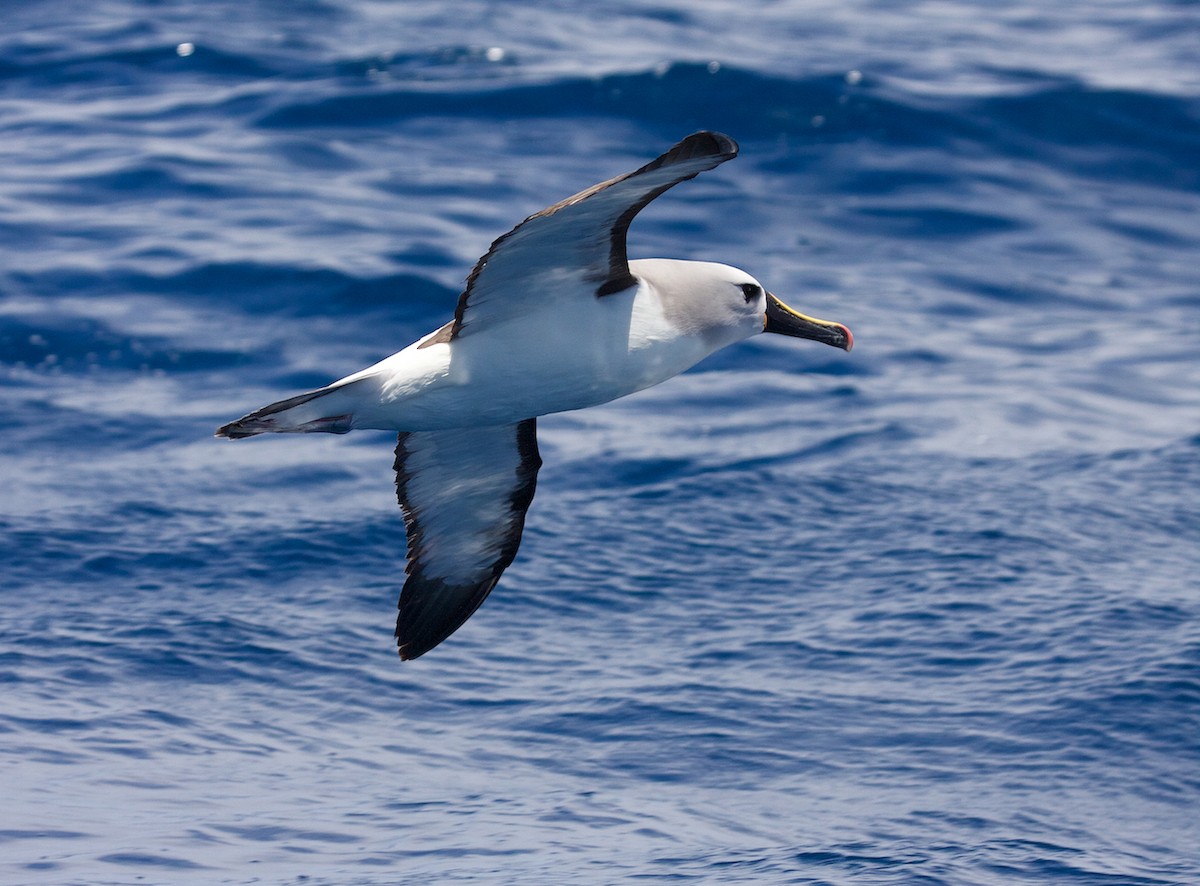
464	492
578	243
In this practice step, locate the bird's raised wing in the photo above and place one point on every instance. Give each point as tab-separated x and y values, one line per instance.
578	244
464	492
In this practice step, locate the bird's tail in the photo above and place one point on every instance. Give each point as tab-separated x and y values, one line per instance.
329	410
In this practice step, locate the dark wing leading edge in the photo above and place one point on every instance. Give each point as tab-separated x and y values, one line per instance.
578	241
464	493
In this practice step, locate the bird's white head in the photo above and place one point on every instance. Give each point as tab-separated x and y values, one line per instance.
724	304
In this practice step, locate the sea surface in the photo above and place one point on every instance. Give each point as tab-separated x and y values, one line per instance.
925	613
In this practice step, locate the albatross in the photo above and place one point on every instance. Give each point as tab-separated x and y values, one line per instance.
554	317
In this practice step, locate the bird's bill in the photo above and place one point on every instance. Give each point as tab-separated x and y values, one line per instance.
782	319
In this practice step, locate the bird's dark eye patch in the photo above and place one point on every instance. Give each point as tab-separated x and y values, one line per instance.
751	291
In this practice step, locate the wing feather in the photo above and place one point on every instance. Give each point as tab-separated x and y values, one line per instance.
464	493
578	243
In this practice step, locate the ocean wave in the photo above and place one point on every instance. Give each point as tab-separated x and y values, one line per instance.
923	612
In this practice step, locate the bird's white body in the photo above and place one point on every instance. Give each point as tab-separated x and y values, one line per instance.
539	363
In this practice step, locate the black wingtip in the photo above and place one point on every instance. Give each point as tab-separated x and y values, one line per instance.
411	651
715	147
430	611
704	143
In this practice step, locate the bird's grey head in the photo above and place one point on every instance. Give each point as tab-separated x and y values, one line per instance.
725	304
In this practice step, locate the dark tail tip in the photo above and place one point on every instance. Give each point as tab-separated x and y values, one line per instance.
235	431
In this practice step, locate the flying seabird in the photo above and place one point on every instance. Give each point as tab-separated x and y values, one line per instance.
553	317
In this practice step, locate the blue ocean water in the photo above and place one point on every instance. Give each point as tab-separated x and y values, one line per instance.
925	613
